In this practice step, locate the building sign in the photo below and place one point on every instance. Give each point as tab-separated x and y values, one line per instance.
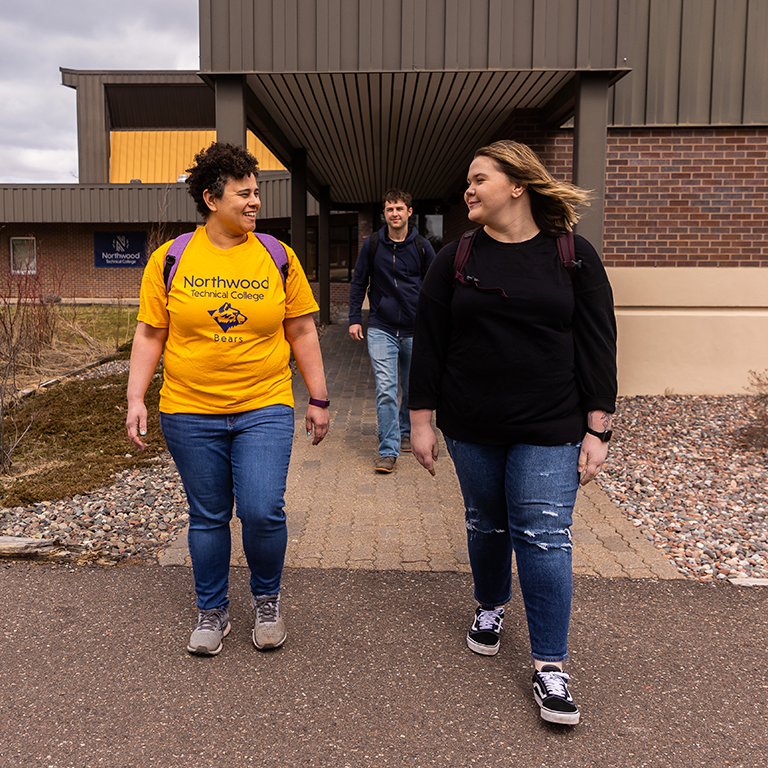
119	249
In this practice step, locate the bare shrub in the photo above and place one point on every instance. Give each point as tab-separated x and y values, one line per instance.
28	320
756	434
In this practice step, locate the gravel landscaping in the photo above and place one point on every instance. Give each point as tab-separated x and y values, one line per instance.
678	469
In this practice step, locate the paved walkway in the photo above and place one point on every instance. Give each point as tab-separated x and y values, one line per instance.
343	515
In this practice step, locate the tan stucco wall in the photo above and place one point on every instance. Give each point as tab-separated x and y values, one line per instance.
690	331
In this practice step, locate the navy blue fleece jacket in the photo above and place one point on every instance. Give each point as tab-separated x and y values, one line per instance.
395	283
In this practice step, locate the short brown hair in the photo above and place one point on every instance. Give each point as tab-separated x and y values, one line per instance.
396	195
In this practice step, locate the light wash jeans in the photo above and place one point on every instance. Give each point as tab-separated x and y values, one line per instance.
387	353
222	459
520	498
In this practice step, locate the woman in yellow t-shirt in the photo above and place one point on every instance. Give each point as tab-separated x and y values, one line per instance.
226	328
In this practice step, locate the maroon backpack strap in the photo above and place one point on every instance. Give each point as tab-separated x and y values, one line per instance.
462	253
566	250
277	252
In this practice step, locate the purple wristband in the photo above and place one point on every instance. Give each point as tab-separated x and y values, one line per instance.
319	403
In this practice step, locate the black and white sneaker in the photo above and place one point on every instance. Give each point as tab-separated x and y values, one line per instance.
483	635
550	689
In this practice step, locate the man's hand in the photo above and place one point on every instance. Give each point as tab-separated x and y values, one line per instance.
356	332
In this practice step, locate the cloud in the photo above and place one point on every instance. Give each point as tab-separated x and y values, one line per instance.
38	122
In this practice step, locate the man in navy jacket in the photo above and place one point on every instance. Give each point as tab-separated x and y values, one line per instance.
392	275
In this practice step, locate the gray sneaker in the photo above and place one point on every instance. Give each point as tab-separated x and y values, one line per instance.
269	631
212	625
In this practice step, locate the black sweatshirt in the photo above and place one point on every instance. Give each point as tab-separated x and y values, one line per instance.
522	369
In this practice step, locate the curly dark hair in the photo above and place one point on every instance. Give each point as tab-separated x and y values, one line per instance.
216	166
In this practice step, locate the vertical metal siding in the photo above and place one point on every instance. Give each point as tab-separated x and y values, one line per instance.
663	62
406	35
756	64
518	18
596	33
627	97
123	204
696	62
347	35
729	57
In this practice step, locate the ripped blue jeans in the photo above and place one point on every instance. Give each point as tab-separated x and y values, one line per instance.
520	498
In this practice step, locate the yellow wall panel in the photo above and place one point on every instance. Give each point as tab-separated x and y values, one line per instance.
159	157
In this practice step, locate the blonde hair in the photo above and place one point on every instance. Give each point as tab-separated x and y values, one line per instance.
554	204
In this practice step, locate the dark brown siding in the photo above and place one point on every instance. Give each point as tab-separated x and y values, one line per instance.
406	35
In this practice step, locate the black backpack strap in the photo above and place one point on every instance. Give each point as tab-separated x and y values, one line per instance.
566	250
462	253
422	249
172	257
373	246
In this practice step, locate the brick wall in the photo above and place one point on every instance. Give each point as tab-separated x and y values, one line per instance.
66	263
687	198
674	197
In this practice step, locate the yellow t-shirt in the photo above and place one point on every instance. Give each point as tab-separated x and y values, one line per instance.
226	350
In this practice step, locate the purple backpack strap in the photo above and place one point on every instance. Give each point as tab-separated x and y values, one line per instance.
277	252
176	249
172	258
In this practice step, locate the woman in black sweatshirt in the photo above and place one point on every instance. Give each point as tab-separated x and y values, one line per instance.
517	355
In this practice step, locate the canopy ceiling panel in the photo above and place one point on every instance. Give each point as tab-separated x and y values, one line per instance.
167	106
364	132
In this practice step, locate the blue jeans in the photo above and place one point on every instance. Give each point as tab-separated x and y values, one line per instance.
242	457
520	498
386	352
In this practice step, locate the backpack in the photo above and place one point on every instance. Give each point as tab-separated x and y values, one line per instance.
176	249
373	244
566	250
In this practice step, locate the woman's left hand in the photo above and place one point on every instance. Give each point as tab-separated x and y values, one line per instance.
317	421
591	458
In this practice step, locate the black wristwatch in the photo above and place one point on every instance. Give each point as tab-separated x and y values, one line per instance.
319	403
604	436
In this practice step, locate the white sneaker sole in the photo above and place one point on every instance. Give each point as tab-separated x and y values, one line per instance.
204	650
483	650
561	718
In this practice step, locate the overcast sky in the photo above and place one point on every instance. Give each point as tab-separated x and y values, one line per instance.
38	122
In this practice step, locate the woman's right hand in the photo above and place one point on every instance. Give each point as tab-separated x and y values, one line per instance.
424	441
148	343
136	423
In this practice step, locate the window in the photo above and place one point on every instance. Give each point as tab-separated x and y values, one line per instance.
23	256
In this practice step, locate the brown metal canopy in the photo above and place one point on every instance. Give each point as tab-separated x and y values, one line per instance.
364	132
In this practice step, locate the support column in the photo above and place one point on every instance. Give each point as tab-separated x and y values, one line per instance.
231	123
590	148
93	129
299	205
324	254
